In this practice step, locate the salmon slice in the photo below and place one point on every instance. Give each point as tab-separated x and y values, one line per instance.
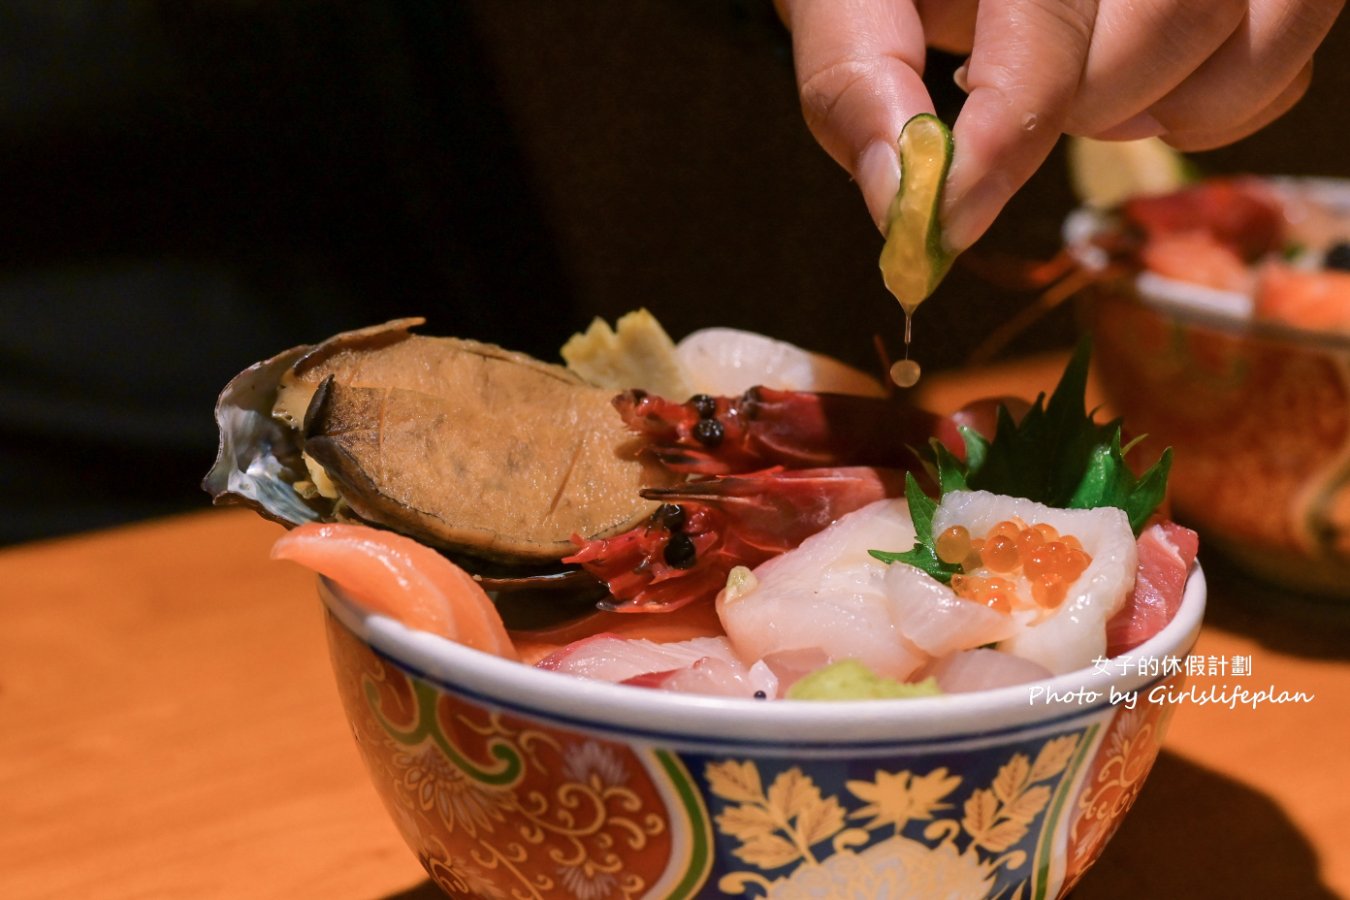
396	576
1318	300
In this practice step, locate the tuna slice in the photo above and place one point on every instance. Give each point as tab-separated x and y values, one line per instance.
1166	552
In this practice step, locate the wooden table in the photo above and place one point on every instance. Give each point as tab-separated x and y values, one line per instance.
168	728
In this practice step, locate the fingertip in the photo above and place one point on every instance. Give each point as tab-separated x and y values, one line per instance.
961	77
878	177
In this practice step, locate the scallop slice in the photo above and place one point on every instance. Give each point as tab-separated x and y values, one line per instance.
1072	635
828	593
728	361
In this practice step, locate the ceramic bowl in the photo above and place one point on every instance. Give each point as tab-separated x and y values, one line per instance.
509	781
1257	413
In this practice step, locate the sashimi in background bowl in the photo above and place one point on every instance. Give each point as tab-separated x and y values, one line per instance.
1221	328
511	781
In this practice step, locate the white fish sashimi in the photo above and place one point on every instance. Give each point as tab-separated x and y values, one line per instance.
706	665
830	599
715	677
982	669
790	666
828	593
936	620
609	657
729	361
1074	633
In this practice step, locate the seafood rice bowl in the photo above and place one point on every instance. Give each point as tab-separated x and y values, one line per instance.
1221	319
789	636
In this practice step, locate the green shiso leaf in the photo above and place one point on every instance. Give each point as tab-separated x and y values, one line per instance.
1057	456
1109	482
924	553
977	448
1043	458
951	473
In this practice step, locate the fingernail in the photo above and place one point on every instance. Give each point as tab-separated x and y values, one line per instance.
1134	128
878	177
959	76
974	211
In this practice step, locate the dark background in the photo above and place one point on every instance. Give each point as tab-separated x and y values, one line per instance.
187	187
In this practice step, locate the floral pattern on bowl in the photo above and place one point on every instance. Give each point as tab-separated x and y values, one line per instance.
510	782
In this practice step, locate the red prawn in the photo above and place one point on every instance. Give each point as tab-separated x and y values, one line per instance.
705	528
765	427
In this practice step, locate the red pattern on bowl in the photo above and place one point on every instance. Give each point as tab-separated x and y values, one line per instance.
508	781
1259	421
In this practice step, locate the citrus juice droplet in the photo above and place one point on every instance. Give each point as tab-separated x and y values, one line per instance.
905	373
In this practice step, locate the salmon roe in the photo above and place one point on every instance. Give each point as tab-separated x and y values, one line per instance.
1049	561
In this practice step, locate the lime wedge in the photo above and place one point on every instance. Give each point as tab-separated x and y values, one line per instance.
1104	173
914	261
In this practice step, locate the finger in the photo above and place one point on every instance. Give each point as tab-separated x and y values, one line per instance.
1023	72
1141	50
1191	140
1250	71
859	72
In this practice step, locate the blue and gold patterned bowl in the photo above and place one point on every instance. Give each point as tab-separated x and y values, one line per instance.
508	781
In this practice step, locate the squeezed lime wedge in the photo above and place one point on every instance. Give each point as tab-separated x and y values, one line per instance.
1105	173
914	260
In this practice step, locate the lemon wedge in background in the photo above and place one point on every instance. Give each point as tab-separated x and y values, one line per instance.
1104	173
914	260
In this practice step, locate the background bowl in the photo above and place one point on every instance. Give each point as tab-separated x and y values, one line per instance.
509	781
1258	413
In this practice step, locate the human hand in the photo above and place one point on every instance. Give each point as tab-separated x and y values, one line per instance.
1199	73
